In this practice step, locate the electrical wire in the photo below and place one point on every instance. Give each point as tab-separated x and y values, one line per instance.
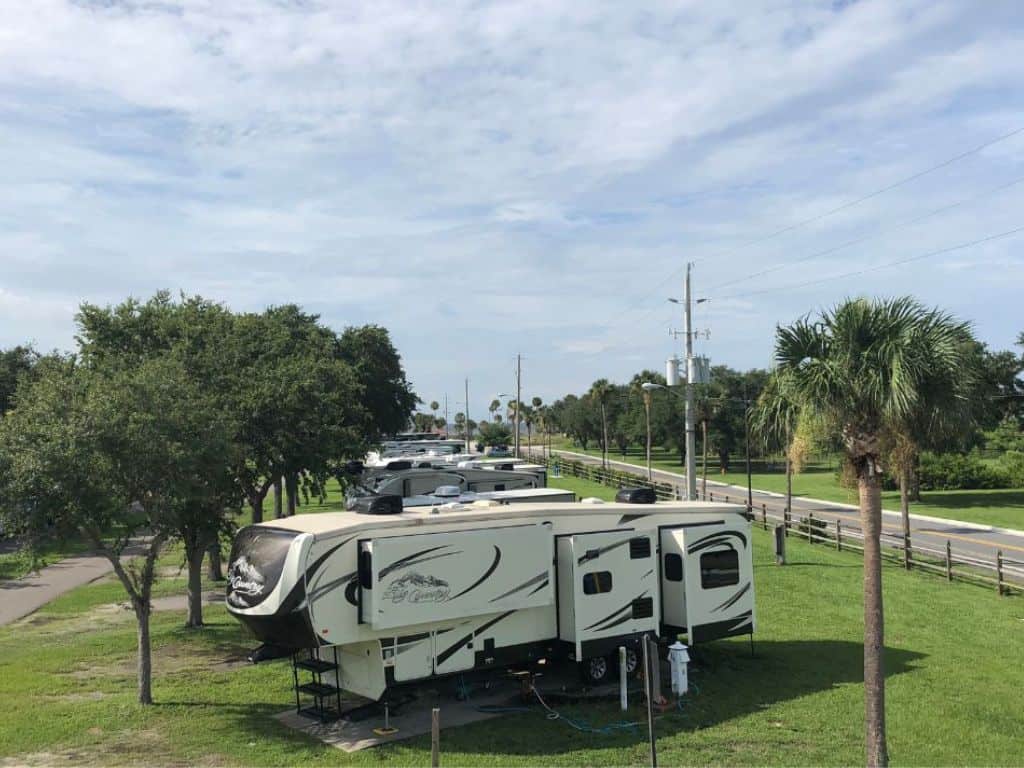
877	267
818	217
865	238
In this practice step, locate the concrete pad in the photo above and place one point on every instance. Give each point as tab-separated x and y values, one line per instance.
412	719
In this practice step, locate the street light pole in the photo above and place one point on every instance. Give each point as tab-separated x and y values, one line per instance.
691	432
647	416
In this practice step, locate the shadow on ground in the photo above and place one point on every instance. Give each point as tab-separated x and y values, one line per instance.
731	684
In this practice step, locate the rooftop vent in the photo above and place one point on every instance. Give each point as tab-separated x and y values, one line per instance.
636	496
385	504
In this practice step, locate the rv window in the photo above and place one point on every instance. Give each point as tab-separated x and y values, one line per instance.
597	583
639	548
499	486
719	569
673	567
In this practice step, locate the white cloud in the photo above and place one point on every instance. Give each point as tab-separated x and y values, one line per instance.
491	178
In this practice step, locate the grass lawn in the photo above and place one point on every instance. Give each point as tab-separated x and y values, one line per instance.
954	692
1001	507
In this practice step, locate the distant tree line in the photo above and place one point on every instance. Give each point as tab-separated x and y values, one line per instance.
172	414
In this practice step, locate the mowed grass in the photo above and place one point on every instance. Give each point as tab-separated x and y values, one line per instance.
1000	507
955	686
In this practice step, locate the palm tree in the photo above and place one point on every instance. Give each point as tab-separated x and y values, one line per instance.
863	369
774	420
599	392
434	405
528	415
537	404
493	407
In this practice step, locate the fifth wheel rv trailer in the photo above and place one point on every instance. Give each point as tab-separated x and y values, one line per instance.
387	596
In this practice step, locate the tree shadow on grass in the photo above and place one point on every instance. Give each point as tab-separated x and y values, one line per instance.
731	684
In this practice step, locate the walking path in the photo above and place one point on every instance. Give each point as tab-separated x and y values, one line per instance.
20	597
977	540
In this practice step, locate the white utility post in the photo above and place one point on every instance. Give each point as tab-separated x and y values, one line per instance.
691	430
519	395
469	432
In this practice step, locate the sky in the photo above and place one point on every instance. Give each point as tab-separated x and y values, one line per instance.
487	179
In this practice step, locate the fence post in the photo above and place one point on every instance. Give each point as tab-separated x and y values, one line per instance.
999	572
949	562
727	499
906	551
435	737
809	520
839	535
764	516
711	497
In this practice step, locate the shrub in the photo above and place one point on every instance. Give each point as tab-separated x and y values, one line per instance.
954	471
1013	464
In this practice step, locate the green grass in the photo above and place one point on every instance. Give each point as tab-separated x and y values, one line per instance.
954	687
1001	507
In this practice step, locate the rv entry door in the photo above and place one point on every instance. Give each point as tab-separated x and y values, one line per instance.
673	581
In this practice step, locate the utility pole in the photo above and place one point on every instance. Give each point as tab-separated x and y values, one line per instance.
469	432
746	435
446	415
519	395
691	431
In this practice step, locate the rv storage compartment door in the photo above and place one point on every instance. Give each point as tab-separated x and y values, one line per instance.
614	588
719	578
431	577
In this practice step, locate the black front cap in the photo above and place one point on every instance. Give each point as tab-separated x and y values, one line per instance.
257	558
385	504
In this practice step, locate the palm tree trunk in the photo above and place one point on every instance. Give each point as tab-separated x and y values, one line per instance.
604	438
905	513
789	483
870	491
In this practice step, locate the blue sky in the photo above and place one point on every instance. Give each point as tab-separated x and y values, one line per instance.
493	178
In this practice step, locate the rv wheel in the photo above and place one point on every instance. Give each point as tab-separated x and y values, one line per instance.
595	671
632	661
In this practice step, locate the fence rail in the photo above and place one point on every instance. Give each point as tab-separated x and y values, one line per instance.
1002	573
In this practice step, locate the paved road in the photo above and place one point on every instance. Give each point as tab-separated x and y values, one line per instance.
20	597
967	538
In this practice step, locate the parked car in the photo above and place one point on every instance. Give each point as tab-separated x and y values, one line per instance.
498	451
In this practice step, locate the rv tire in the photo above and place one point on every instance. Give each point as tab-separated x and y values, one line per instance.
595	670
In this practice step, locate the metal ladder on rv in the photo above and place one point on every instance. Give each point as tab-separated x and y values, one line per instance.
326	698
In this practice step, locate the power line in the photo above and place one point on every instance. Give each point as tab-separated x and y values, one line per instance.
877	267
865	238
825	214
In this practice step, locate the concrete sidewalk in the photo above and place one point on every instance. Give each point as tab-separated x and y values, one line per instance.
20	597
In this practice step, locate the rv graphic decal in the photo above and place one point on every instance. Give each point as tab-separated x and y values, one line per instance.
417	588
244	580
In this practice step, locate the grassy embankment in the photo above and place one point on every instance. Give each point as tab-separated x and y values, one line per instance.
1001	507
954	691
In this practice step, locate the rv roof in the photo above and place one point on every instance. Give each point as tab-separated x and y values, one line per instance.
327	523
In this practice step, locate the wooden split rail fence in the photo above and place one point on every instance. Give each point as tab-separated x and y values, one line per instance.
1002	573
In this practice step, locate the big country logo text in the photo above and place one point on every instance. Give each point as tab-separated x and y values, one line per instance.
417	588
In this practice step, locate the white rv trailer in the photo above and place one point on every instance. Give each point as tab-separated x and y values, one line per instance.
415	481
452	494
396	598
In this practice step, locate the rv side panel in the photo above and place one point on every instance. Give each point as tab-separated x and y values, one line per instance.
433	577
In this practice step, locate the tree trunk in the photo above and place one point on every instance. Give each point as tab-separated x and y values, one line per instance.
723	460
604	435
292	492
145	661
789	483
915	480
870	491
905	511
278	500
256	502
214	572
194	558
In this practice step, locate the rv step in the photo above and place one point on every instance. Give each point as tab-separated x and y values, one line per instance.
318	689
315	665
